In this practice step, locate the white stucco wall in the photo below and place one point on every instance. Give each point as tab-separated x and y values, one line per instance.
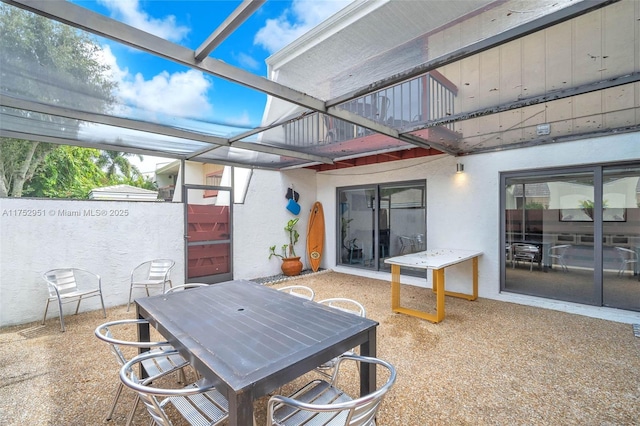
106	237
259	222
462	209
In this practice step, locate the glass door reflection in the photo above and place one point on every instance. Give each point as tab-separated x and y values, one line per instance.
621	233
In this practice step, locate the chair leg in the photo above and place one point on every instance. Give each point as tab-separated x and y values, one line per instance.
132	413
104	311
130	293
46	308
115	401
62	328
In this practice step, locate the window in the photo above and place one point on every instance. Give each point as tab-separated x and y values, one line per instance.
212	179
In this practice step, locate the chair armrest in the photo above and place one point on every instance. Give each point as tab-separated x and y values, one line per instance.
91	276
100	333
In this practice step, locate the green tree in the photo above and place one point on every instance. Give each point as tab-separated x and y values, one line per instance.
19	161
67	172
69	75
72	172
142	181
114	161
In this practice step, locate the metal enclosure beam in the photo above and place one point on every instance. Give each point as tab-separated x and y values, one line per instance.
159	129
233	21
79	17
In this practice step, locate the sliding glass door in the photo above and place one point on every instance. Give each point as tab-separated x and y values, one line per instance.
380	221
573	235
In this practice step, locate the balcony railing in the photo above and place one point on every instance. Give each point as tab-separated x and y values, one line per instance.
409	104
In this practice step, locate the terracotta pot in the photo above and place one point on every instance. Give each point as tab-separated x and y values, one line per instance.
291	266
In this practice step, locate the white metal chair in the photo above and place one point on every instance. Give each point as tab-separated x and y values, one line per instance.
186	286
627	257
166	363
346	305
525	253
71	285
419	242
558	253
152	273
198	403
407	244
324	403
300	291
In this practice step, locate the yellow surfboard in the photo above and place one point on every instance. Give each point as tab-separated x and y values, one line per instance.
315	236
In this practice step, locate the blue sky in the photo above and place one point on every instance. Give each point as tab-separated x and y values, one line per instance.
153	84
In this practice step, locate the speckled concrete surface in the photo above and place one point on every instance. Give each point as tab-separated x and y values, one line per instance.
488	363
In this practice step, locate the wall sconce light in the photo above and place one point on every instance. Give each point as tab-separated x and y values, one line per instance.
459	167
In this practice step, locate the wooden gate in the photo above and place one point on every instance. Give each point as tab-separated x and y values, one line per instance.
208	236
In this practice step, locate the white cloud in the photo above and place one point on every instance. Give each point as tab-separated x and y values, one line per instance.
295	21
241	121
106	56
246	61
130	12
181	94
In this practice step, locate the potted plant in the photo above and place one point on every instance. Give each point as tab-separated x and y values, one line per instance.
588	205
291	264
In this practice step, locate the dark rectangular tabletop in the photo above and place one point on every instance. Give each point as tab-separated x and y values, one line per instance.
249	339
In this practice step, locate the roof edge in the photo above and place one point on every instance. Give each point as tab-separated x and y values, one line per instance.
327	28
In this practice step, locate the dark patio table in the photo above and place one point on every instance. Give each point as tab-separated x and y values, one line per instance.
250	339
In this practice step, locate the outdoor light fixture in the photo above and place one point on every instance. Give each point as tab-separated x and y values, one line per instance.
459	167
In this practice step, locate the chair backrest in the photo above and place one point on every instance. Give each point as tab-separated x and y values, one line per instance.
63	279
69	280
152	396
627	254
527	250
406	243
300	291
363	410
186	286
356	412
104	332
160	269
346	305
559	250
